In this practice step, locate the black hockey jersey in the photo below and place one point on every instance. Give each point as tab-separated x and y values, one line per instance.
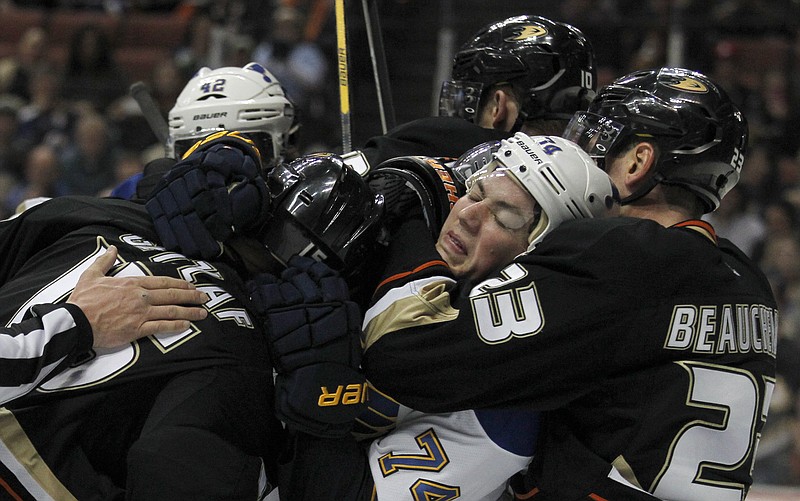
70	437
446	137
651	351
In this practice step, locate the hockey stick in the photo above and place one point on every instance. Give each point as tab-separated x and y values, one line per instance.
152	114
379	70
344	85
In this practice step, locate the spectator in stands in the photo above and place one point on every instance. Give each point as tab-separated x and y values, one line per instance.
301	68
12	150
46	118
166	83
787	166
759	175
16	69
781	263
92	77
197	50
42	178
135	133
780	220
738	220
88	163
129	163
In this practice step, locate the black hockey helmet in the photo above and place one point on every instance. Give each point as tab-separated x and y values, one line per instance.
323	209
701	134
549	64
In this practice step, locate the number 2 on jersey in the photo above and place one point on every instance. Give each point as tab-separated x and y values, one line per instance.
704	447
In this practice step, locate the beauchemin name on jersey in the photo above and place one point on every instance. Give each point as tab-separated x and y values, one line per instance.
727	328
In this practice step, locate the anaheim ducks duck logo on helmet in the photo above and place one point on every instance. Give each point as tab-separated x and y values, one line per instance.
701	134
527	31
688	84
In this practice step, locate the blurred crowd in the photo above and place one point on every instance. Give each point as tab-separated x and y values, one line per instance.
69	126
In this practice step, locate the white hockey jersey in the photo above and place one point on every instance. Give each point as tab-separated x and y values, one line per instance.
459	455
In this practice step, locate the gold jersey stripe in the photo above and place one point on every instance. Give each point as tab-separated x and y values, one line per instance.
19	445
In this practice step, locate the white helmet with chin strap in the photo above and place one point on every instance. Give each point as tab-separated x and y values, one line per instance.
249	100
562	178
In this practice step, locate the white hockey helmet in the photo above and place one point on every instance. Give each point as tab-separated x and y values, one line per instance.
562	178
249	100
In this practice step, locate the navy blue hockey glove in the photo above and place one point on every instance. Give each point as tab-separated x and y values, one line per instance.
313	331
308	315
215	191
322	399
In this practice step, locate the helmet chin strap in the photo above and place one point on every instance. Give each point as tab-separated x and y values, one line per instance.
518	123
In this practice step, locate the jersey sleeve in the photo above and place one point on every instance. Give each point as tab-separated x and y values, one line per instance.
438	345
36	348
448	137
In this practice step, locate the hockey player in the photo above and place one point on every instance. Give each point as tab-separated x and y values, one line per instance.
648	341
524	73
101	312
248	99
529	187
487	228
176	415
545	72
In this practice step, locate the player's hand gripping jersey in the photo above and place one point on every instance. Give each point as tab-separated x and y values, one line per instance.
190	412
547	334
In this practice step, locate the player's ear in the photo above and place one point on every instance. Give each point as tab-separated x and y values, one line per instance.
641	160
504	110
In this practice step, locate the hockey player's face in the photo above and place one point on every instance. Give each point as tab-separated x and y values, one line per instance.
487	228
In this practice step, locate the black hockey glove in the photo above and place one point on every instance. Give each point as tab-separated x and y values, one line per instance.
402	202
415	187
313	330
216	190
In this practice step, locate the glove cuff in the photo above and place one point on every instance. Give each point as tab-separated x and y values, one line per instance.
322	399
229	138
